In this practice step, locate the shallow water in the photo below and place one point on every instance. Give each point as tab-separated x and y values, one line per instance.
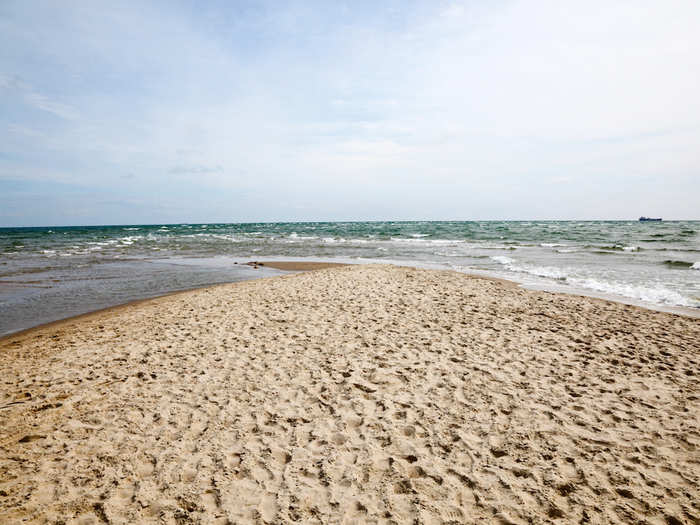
51	273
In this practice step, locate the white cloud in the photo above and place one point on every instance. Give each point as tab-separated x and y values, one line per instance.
46	104
35	99
473	95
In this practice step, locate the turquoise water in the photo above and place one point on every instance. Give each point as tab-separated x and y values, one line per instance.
71	269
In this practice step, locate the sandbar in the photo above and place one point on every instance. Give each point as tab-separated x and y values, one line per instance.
354	394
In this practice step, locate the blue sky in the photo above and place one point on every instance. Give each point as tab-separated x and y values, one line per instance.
151	112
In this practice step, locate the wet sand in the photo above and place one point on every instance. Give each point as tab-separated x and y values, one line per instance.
365	394
297	266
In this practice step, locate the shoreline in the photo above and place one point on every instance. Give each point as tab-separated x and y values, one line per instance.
289	266
293	266
364	393
285	266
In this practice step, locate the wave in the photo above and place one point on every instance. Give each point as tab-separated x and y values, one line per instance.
652	294
613	248
674	249
678	264
655	294
294	236
426	241
221	236
550	272
459	254
666	240
502	259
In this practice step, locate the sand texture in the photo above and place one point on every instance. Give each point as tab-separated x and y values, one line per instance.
361	394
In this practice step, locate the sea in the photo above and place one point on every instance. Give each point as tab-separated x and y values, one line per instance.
50	273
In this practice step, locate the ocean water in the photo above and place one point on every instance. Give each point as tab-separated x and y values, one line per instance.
51	273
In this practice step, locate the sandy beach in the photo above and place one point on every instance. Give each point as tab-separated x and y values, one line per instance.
356	394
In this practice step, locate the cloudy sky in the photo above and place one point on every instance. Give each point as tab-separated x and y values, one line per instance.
151	112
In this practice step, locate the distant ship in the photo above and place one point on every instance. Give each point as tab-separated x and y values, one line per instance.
645	219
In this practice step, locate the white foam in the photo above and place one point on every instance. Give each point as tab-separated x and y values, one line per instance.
550	272
551	244
545	271
502	259
653	294
426	242
294	236
696	266
221	236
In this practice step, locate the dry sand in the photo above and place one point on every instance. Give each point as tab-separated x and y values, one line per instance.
365	394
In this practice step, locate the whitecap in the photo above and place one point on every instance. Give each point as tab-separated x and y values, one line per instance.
403	240
296	237
502	259
539	271
545	271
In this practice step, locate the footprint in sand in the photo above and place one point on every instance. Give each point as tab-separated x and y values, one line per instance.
268	508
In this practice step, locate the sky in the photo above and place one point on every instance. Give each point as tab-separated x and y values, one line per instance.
235	111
